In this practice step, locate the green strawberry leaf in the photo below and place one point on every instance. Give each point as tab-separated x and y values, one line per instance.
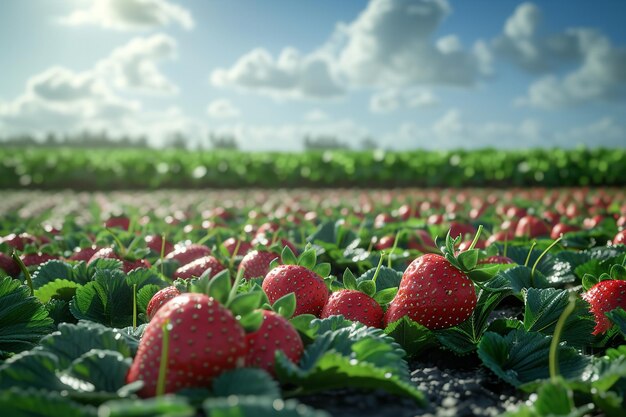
618	317
144	295
23	319
323	269
367	287
60	289
104	370
618	272
219	287
287	256
31	369
51	271
521	357
71	341
520	277
387	277
35	403
412	336
589	281
285	305
543	309
308	259
468	259
246	381
349	281
258	406
385	296
251	321
245	303
165	406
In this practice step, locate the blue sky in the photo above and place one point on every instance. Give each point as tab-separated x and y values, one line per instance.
430	74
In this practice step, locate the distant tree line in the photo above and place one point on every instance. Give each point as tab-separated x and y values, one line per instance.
176	140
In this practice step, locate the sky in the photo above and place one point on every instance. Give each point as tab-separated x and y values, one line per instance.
407	74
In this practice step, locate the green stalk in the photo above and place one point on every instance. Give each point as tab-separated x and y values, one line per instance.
553	356
162	254
532	272
120	245
165	347
475	241
134	306
530	251
395	245
24	270
506	243
380	262
235	287
231	261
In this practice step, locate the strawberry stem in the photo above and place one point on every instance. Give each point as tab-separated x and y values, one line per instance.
134	306
162	254
380	262
530	251
235	287
532	272
120	246
554	344
475	241
160	388
24	270
506	243
395	245
231	261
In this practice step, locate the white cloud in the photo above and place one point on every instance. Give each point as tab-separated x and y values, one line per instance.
289	76
64	100
316	115
222	109
134	65
130	15
599	72
390	44
389	100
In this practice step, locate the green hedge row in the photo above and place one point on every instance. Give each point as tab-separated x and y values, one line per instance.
58	168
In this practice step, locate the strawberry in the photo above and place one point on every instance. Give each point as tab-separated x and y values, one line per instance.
385	242
257	263
562	228
231	244
128	264
160	298
531	226
262	239
32	259
500	236
84	254
185	254
496	259
422	242
466	244
204	341
461	229
382	219
310	290
354	305
275	333
8	265
434	293
155	244
603	297
198	267
120	222
620	238
19	241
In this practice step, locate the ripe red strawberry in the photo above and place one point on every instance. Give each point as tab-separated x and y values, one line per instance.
197	267
231	244
620	237
354	305
603	297
562	228
385	242
19	241
257	263
120	222
155	244
500	236
422	241
310	290
204	341
84	254
433	293
32	259
160	298
262	239
185	254
461	229
531	226
382	219
128	264
496	259
466	244
275	333
8	265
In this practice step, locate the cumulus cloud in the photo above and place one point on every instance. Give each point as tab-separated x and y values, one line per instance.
222	109
134	65
389	100
599	72
130	15
289	75
391	43
316	115
61	99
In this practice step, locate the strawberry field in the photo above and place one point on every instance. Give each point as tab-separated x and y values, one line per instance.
309	302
